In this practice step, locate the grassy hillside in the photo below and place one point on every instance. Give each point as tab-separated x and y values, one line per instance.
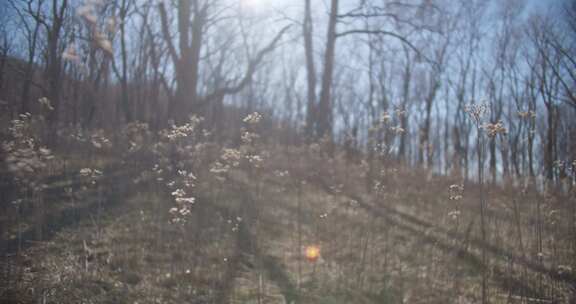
176	218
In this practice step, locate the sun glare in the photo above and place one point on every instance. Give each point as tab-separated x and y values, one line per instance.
254	4
312	253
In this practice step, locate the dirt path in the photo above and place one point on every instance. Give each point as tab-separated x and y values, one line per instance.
247	246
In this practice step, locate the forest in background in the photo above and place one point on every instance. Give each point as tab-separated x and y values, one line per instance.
337	71
447	124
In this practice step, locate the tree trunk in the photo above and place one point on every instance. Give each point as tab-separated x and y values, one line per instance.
307	29
123	54
403	108
54	66
29	71
187	62
325	104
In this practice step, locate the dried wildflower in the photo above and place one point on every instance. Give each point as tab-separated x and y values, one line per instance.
171	184
186	174
253	118
87	172
379	187
495	129
91	174
71	54
381	149
279	173
397	130
103	43
235	223
337	188
99	141
385	118
44	101
178	193
255	159
564	269
456	192
454	214
25	158
400	112
249	137
182	187
219	168
182	131
46	153
523	114
526	114
188	200
86	12
232	157
183	205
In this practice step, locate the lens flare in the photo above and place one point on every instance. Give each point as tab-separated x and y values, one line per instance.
312	253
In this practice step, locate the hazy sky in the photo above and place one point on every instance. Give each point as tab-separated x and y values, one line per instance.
539	4
266	5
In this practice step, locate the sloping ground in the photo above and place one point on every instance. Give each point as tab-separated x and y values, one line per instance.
244	243
67	199
132	255
363	260
418	205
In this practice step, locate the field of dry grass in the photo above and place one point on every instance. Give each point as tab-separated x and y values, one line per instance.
415	238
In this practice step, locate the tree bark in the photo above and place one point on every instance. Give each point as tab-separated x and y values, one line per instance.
307	29
325	103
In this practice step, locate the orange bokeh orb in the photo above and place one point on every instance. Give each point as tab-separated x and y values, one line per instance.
312	253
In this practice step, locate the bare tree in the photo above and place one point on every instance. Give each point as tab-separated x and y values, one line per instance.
193	18
307	29
54	28
123	11
5	50
325	116
25	10
545	65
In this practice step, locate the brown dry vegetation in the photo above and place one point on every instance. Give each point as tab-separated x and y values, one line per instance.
243	240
